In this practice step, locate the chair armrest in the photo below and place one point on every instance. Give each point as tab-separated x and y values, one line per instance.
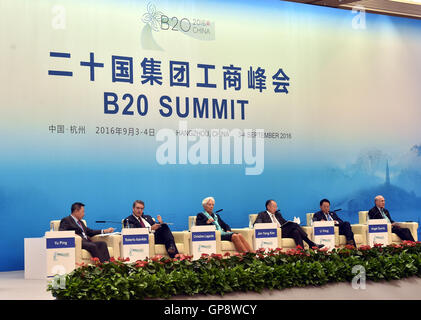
183	237
362	217
247	233
412	226
309	231
362	230
151	245
359	228
113	241
218	242
78	249
336	228
279	237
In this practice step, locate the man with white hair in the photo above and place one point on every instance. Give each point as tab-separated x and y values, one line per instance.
208	217
380	212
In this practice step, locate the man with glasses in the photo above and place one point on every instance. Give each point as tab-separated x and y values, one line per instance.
163	234
380	212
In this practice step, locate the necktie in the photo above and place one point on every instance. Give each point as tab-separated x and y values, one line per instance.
83	229
141	222
384	215
80	224
328	217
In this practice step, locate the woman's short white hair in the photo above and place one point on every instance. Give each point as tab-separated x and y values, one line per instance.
206	200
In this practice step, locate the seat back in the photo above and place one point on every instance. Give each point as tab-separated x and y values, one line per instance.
362	217
55	224
310	218
192	222
252	218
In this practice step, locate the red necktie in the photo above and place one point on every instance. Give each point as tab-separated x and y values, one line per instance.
141	222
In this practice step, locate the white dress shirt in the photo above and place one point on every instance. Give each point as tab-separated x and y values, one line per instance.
146	223
273	218
83	231
328	217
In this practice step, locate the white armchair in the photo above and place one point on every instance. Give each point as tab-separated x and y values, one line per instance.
393	237
181	238
359	230
82	255
284	243
223	247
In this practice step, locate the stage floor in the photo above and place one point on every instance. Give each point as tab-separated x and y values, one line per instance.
13	286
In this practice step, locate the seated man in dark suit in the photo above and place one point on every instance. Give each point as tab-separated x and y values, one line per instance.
380	212
161	230
289	229
326	215
97	249
208	217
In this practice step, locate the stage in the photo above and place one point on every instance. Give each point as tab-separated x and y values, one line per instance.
13	286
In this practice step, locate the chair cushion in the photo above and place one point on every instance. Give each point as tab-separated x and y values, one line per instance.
395	238
357	237
288	243
86	256
227	246
160	249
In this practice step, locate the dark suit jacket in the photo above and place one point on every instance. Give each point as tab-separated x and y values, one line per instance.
134	223
320	216
375	213
201	221
69	224
263	217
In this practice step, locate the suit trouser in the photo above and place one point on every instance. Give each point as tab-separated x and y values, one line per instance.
97	249
403	233
163	235
293	230
346	230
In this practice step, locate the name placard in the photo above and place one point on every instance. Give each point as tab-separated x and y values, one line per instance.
60	252
265	236
203	240
324	233
135	243
377	232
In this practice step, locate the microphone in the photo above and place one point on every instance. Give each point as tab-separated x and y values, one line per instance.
107	221
336	210
216	213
